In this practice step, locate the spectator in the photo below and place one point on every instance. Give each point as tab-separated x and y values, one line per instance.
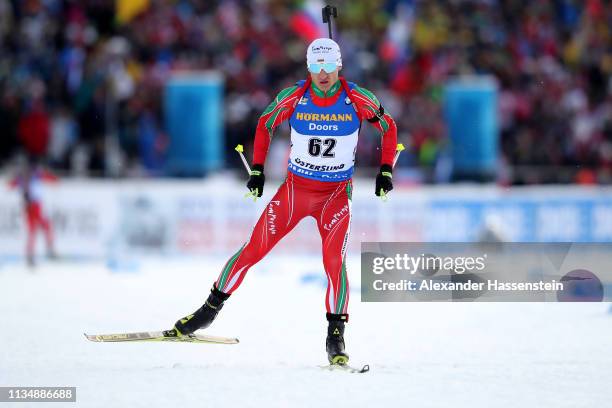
33	130
552	59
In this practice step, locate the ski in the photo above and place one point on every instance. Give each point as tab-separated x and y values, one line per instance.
346	368
166	335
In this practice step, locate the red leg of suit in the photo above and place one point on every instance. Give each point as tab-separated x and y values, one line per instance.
281	214
297	198
34	220
32	215
333	221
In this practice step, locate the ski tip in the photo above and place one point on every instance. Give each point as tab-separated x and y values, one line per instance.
346	368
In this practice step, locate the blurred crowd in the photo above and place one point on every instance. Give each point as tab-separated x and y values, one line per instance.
81	85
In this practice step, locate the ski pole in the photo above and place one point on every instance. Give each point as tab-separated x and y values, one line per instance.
240	149
398	149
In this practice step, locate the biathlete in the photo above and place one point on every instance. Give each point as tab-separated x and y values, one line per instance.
29	182
325	113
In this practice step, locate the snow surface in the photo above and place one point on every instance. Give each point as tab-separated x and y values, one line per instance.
421	354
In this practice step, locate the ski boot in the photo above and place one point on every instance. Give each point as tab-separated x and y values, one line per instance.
204	316
334	343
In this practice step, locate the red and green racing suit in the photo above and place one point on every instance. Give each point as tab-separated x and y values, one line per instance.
324	133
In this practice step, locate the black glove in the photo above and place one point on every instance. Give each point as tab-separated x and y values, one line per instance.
383	180
257	180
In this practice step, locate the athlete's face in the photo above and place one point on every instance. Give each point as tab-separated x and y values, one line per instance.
323	80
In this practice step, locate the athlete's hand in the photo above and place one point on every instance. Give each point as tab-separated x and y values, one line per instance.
383	180
256	181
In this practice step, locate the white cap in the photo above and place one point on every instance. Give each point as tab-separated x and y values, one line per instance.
323	51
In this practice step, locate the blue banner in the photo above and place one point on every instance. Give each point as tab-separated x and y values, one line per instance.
193	105
470	107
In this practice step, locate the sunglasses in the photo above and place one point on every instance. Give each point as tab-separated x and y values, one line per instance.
328	67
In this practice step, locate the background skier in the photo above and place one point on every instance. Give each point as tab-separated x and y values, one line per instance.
29	182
